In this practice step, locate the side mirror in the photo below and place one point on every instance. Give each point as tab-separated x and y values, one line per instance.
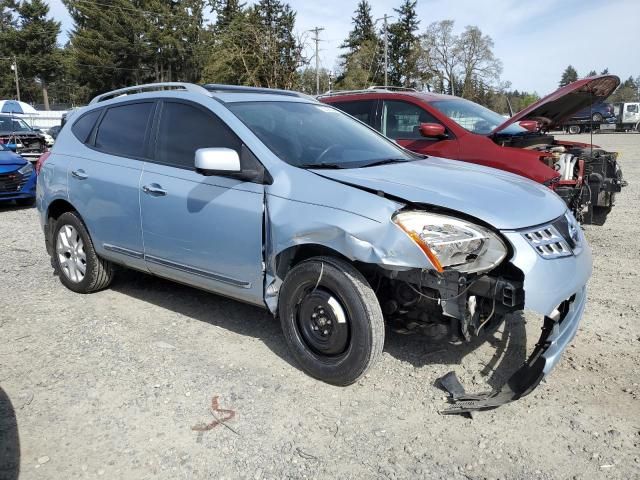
530	125
433	130
217	161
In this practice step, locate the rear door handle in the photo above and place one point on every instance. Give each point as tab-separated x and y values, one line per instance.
154	189
79	174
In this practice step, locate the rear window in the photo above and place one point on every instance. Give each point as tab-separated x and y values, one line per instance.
363	110
84	126
122	129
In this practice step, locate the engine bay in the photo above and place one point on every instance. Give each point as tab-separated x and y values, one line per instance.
588	176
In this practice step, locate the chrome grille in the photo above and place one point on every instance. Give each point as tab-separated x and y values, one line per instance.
548	242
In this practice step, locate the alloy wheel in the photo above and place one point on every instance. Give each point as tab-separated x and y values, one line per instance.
71	255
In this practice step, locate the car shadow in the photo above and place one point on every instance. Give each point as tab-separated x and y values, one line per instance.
203	306
9	440
9	205
508	346
508	342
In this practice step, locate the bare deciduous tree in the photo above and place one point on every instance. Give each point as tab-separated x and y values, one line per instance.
459	62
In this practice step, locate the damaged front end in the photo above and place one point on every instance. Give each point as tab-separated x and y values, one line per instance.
29	145
444	272
588	177
547	272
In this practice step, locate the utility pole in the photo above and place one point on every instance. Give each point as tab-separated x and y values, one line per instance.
14	67
386	51
316	39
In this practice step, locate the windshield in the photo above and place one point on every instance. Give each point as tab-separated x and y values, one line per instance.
310	135
11	124
475	118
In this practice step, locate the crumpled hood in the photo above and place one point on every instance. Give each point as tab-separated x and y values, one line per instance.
560	105
501	199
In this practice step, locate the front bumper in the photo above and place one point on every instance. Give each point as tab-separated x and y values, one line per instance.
555	338
11	189
555	288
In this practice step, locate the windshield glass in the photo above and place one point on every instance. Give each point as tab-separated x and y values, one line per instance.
310	135
474	117
12	124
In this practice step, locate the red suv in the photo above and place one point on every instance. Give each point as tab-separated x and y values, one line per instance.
585	176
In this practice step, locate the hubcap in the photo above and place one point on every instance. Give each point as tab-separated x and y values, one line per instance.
71	255
323	323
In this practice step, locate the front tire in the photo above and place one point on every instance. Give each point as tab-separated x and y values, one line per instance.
331	320
575	129
597	117
74	258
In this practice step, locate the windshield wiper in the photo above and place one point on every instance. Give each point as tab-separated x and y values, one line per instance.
386	161
320	166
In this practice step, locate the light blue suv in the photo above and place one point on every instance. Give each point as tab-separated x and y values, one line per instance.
274	199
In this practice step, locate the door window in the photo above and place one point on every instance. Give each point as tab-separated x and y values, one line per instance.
123	128
363	110
184	128
632	108
401	120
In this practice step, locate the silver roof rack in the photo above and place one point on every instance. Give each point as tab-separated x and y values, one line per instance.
188	87
219	88
373	88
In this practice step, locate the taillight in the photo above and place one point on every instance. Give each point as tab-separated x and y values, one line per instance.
41	160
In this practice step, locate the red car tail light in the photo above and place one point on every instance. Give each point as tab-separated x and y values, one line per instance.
41	160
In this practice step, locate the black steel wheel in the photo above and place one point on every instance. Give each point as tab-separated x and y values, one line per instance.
331	320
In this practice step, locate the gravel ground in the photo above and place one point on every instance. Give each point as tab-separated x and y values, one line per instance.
110	385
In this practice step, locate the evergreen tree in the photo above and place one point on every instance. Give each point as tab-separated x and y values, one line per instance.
226	11
404	45
592	73
8	26
258	47
362	62
363	29
605	72
568	76
36	45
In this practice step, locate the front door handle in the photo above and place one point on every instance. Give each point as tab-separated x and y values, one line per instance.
79	174
154	189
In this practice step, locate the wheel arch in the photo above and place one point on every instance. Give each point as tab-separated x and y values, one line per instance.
56	208
291	256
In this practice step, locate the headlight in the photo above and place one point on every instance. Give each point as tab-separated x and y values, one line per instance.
451	242
27	169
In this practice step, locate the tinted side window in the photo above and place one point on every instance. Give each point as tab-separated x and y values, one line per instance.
401	120
183	129
83	127
363	110
122	129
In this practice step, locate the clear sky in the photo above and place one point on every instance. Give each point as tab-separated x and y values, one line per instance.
535	39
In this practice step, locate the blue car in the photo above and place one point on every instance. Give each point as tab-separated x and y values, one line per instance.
17	178
277	200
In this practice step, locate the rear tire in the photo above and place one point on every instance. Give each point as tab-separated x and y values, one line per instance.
74	258
574	129
331	319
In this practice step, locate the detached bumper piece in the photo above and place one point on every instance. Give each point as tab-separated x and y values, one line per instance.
557	332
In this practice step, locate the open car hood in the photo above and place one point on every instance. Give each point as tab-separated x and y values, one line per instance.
560	105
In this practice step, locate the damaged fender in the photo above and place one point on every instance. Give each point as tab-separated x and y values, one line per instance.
292	223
